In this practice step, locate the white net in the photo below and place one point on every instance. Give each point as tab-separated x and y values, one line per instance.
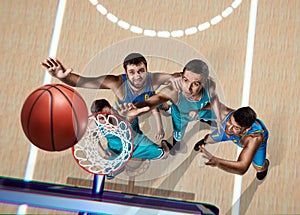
104	129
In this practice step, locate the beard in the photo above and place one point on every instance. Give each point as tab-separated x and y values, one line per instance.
138	83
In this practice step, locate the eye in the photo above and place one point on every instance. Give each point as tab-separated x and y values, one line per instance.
197	84
141	71
237	128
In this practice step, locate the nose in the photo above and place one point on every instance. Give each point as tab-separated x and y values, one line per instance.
137	75
189	87
229	126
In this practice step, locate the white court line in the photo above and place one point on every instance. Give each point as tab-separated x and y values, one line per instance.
245	98
166	34
47	80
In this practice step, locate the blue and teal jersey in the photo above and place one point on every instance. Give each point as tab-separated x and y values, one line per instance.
131	97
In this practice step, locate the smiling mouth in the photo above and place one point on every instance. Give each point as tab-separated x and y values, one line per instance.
138	80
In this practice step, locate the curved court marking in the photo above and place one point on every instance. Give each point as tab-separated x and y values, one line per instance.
163	33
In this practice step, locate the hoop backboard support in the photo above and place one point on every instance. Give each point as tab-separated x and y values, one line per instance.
76	199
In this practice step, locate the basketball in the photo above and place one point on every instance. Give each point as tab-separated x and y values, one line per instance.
54	117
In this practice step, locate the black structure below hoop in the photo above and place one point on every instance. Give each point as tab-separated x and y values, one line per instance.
68	198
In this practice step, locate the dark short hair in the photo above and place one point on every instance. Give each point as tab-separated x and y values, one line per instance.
99	104
244	116
135	59
197	66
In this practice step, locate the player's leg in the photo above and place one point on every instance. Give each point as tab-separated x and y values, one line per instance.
260	163
179	124
146	149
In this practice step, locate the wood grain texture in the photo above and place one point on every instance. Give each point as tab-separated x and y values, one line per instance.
26	30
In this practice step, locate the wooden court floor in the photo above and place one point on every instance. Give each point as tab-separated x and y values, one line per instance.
92	44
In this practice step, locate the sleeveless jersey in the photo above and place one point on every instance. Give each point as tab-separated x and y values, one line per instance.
131	97
184	105
180	113
258	127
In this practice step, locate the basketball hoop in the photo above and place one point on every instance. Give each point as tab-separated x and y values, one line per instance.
103	128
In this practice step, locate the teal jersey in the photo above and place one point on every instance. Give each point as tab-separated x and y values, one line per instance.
143	147
180	113
185	105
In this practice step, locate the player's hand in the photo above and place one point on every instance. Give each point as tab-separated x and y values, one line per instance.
175	82
159	135
193	114
55	68
130	110
207	155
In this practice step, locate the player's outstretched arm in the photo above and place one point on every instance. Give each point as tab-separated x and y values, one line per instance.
57	70
153	101
243	162
160	78
130	111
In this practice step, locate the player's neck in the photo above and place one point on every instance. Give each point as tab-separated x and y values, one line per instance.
136	90
198	97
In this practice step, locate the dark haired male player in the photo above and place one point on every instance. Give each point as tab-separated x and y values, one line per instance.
245	130
135	85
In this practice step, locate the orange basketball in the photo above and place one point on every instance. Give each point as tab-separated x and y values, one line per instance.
54	117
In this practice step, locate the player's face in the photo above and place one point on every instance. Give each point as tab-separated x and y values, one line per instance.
136	75
192	85
106	109
233	128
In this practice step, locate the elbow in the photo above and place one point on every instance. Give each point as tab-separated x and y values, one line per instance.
242	170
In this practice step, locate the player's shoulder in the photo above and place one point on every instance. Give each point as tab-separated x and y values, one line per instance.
113	81
119	78
211	83
252	139
172	94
